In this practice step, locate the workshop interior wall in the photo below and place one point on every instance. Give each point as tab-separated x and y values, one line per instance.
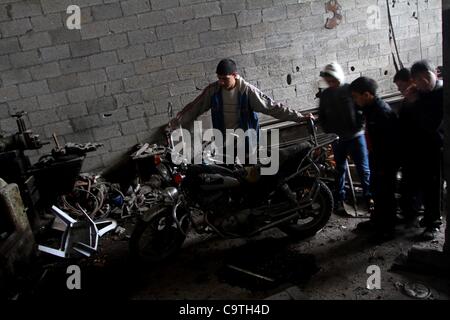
111	81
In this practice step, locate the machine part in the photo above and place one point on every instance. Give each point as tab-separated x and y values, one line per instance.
75	229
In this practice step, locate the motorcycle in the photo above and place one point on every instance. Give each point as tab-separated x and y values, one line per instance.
235	201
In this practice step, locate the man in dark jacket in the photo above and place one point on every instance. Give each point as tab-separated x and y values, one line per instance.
381	127
429	116
337	114
410	201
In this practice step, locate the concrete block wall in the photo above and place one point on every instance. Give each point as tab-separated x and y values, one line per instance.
112	80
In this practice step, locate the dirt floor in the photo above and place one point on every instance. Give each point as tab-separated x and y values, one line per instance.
332	265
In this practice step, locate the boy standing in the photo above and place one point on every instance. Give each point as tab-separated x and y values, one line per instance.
381	127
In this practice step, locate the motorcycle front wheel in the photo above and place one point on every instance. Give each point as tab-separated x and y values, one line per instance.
314	217
157	239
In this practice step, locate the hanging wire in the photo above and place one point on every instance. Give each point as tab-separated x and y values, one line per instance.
420	31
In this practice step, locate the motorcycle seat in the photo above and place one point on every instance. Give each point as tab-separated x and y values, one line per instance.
295	152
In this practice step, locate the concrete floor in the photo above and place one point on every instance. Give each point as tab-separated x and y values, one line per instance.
341	255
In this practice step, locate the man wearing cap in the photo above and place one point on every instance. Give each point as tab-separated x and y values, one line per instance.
234	103
337	114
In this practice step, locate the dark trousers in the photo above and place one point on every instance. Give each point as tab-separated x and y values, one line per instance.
430	180
383	182
410	190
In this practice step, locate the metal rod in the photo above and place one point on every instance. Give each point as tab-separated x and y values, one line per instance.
250	273
352	188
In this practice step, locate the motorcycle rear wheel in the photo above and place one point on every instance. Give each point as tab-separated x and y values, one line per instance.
320	209
157	239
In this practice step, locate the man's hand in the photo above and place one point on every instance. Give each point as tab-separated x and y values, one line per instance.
310	116
410	93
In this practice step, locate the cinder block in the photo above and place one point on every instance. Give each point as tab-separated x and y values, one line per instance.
253	45
154	93
24	59
9	93
87	122
105	133
51	101
133	126
64	35
84	48
142	36
223	22
103	60
34	88
94	30
259	4
27	105
140	111
201	55
101	105
151	19
59	128
123	143
15	27
182	87
74	65
163	77
163	4
40	118
179	14
9	45
274	14
181	29
128	99
47	22
55	53
109	88
207	9
107	11
191	71
131	7
15	76
123	24
120	71
148	65
72	111
174	60
114	42
137	82
159	48
45	71
92	77
233	6
63	83
130	54
50	6
25	9
81	94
